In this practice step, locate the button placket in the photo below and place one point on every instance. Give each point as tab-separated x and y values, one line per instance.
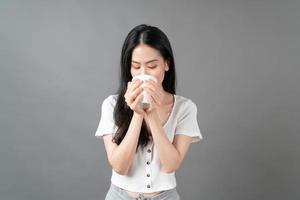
149	149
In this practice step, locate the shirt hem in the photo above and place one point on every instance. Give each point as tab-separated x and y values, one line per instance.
125	187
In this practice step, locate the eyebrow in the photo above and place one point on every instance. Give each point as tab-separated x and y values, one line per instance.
146	62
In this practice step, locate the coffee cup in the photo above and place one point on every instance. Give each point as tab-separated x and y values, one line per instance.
144	77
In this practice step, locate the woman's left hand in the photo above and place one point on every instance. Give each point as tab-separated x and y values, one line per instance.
155	94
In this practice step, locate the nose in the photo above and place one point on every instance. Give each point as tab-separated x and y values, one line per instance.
143	70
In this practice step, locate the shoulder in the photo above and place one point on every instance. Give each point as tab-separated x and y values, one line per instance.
184	103
110	101
111	98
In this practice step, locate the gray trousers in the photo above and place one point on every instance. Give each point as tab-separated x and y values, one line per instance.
116	193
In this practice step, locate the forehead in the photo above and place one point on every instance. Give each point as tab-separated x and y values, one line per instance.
143	53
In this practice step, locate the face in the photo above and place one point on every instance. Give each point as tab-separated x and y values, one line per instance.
147	60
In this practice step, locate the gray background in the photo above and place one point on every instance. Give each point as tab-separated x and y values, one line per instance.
237	60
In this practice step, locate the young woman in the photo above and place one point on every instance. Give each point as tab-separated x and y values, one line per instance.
145	146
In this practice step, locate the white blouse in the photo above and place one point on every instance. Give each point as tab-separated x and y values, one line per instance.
145	175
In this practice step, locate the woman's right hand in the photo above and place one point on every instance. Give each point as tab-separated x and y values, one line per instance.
134	95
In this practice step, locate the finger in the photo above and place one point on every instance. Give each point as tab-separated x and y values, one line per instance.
136	84
137	101
152	104
156	91
155	88
128	100
136	92
127	95
129	83
153	95
131	86
128	86
150	84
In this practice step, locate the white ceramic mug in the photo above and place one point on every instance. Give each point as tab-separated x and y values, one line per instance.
144	77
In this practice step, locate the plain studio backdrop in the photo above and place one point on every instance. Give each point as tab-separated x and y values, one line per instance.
238	60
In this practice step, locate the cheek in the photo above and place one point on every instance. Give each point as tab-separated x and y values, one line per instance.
160	77
134	72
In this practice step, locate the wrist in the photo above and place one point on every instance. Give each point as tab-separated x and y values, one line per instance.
137	115
151	115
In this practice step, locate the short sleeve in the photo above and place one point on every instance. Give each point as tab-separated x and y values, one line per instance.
107	123
187	122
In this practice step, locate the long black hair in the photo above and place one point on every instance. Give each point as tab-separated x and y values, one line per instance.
155	38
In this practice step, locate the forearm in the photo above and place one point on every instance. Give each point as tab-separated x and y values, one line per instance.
123	155
169	156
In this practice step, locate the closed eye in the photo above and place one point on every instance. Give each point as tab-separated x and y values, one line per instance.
135	67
